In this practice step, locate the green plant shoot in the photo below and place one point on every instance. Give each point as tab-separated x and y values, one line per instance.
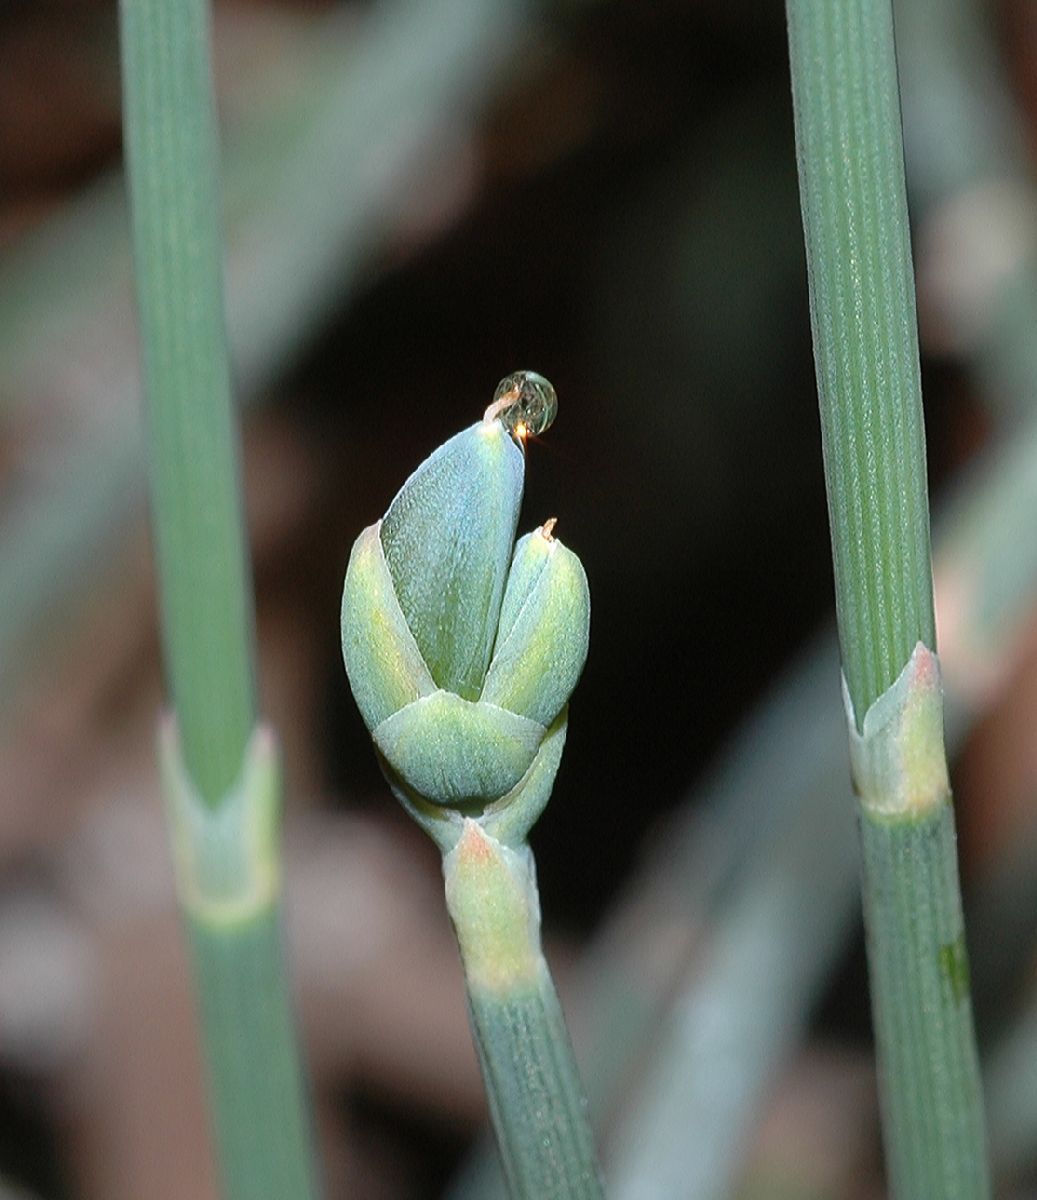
462	649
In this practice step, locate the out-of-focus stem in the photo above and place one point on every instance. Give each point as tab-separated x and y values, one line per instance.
220	772
192	437
227	860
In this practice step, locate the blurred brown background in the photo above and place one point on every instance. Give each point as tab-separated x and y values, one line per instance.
607	195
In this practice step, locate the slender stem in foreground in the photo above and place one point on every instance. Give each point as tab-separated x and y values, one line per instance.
220	770
536	1102
854	203
865	338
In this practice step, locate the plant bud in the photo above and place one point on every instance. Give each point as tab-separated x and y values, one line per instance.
462	648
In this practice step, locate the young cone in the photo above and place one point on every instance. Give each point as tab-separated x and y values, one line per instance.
462	650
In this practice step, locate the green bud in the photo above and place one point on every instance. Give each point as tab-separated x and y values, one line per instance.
461	648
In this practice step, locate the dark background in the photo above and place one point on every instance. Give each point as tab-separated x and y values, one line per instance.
621	215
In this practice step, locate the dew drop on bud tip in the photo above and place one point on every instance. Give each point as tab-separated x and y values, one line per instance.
525	403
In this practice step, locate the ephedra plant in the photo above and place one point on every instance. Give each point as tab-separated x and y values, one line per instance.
462	648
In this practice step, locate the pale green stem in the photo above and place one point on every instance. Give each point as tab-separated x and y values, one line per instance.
854	204
220	775
865	338
536	1101
932	1102
229	885
252	1053
192	441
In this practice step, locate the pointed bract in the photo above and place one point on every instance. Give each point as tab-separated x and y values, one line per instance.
544	630
447	538
452	751
385	667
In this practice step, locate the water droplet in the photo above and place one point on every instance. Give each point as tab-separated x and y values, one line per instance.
525	403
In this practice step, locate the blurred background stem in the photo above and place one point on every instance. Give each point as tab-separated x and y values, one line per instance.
194	468
221	782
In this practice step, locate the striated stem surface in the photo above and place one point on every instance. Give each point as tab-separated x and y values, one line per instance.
536	1100
862	308
172	167
850	155
221	775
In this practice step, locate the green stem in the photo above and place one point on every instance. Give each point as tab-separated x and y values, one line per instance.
862	307
850	156
252	1053
931	1099
220	772
530	1080
178	259
228	881
536	1101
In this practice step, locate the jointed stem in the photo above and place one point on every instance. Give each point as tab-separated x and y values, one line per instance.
222	783
862	307
536	1100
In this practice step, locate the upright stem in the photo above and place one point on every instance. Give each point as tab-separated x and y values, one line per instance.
862	309
172	164
850	154
220	771
536	1101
